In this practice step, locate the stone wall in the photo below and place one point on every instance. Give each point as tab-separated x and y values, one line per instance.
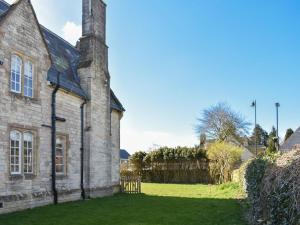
95	81
19	34
115	152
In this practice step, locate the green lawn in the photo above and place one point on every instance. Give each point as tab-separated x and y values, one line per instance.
160	204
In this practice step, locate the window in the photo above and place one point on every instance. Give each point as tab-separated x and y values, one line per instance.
19	73
16	70
15	152
28	79
21	152
28	153
59	156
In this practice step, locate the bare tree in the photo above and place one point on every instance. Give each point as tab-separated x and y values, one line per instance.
220	122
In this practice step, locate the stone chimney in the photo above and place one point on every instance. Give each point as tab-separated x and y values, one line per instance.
95	80
93	32
94	18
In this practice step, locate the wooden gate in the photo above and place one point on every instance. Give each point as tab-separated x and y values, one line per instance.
131	185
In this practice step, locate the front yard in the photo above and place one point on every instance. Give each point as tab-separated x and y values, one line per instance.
160	204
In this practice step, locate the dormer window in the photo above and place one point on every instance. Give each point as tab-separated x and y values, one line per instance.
16	72
28	79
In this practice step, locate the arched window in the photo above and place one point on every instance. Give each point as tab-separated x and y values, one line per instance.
59	156
28	79
15	152
15	75
28	153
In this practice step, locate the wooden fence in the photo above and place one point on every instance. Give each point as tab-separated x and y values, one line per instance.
131	185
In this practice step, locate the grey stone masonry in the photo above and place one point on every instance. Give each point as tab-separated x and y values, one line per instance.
20	35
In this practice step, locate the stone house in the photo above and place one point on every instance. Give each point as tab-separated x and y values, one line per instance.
59	119
124	156
292	142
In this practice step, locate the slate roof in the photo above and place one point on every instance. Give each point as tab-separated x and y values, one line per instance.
115	103
293	140
65	60
124	154
3	6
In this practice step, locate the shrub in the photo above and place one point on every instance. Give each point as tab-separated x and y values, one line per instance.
254	174
280	191
273	188
224	157
137	162
172	165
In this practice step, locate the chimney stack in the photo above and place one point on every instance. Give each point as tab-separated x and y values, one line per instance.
94	19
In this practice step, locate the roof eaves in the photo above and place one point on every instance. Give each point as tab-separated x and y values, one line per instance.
65	84
119	104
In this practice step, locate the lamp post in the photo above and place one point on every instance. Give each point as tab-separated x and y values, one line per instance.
277	105
255	124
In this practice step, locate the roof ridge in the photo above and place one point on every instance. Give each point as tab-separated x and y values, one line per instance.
56	35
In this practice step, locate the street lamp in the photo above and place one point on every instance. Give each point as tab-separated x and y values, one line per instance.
255	130
277	105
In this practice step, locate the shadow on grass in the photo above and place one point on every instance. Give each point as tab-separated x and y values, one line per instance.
133	210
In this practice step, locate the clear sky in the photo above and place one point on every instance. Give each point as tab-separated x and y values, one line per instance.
170	59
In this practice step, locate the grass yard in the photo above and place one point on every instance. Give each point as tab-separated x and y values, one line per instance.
160	204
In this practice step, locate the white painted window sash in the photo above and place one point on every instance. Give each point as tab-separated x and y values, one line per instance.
28	138
13	150
16	71
28	79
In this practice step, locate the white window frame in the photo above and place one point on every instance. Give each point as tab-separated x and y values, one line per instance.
13	73
62	142
28	77
20	153
28	158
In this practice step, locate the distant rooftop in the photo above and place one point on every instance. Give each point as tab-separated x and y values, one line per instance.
291	142
124	154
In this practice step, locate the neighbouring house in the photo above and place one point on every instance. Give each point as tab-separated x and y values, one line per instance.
292	142
59	119
124	156
260	148
247	154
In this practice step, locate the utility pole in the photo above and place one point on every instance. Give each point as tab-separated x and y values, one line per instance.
277	105
255	124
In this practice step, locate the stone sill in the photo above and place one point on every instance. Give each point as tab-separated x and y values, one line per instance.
17	177
61	176
20	96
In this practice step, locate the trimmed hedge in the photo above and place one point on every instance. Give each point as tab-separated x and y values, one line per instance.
172	165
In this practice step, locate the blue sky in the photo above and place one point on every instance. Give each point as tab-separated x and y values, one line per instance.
170	59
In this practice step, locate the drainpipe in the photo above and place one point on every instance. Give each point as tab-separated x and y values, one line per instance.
82	151
53	139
